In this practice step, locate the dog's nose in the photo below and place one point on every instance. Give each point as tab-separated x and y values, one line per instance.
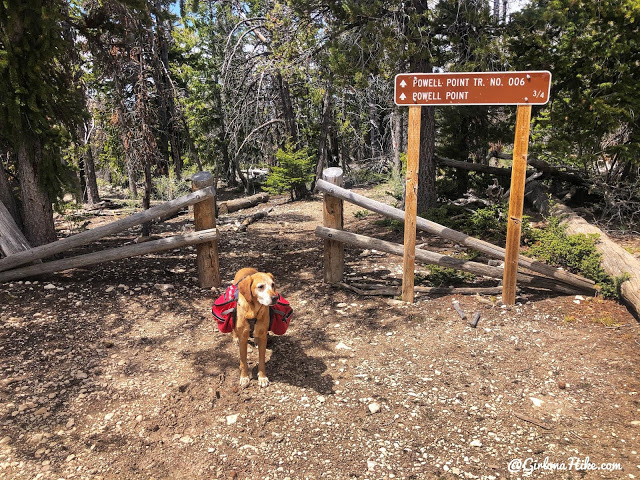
274	299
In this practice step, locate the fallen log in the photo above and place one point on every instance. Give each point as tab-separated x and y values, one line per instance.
396	291
432	258
494	251
241	203
616	261
253	218
127	251
11	238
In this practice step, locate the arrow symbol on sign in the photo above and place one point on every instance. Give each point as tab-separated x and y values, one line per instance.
402	96
403	84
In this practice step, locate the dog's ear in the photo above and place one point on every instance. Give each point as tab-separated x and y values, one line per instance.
271	277
246	288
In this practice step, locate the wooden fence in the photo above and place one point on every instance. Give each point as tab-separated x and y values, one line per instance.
205	237
534	274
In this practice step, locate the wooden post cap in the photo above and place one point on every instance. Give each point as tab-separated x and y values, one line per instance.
332	175
202	180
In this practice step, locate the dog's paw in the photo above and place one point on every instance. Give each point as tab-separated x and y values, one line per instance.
263	381
244	382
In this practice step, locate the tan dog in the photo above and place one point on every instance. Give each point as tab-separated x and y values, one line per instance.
257	293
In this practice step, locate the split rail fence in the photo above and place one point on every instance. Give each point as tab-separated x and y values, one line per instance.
533	273
205	237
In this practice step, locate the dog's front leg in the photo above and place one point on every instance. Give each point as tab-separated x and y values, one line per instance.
263	381
243	339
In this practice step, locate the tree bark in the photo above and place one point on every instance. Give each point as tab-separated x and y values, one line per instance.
7	198
287	108
37	211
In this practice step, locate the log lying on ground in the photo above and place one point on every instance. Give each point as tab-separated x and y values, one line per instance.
494	251
432	258
615	260
11	238
97	233
127	251
241	203
396	291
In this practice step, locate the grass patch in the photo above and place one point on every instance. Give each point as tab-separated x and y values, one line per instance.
576	253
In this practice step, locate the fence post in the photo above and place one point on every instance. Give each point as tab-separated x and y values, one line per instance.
204	214
332	218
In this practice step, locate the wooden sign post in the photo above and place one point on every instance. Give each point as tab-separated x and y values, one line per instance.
411	204
470	88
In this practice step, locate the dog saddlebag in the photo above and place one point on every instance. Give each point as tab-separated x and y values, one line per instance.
224	309
280	316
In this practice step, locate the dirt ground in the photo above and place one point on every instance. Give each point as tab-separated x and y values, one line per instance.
118	372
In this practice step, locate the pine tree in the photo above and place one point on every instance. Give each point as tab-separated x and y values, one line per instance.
40	104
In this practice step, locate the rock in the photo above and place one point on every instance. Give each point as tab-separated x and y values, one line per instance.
80	375
321	399
110	289
70	457
41	411
186	439
371	465
635	423
164	287
342	346
5	440
49	286
536	401
232	419
476	443
109	416
374	407
139	418
70	423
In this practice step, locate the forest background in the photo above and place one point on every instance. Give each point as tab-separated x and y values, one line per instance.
139	94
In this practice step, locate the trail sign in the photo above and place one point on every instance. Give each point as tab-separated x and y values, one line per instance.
473	88
416	90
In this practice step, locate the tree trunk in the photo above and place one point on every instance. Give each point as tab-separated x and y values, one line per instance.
287	109
7	198
37	212
396	139
427	196
324	133
93	196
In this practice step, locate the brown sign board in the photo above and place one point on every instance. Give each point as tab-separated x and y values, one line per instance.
473	88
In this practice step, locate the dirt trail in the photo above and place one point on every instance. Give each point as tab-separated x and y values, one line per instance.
120	372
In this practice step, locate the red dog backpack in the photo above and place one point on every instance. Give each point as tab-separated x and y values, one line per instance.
281	314
224	311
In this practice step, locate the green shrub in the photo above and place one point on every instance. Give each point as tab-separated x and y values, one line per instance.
294	170
446	277
577	253
489	223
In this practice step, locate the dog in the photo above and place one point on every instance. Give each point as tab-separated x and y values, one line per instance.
257	292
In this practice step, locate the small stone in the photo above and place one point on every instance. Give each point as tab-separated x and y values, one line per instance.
371	465
70	457
635	423
5	440
374	407
342	346
232	419
110	289
70	423
108	416
41	411
536	401
476	443
164	287
186	439
562	385
49	286
321	399
80	375
341	305
139	418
